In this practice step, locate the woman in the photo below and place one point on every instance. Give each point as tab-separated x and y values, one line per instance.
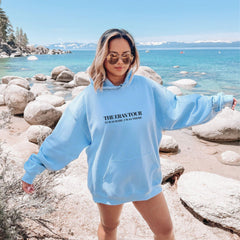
118	118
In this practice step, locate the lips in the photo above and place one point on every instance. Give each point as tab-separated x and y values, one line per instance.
119	68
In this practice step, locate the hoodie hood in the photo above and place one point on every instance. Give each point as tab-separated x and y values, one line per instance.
108	85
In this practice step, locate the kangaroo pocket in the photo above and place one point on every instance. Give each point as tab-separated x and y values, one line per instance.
135	176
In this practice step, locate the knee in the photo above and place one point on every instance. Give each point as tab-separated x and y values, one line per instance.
165	233
109	227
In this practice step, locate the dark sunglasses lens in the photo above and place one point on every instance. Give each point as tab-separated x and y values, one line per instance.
126	60
112	59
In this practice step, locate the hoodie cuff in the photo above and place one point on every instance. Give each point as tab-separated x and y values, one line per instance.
28	178
228	101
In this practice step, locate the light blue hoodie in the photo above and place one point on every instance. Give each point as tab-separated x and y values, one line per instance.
120	127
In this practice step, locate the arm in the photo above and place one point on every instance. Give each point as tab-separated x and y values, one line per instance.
69	138
175	112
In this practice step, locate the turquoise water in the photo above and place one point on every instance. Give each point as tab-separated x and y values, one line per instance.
215	70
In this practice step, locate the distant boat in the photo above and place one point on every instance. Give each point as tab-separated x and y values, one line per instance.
147	51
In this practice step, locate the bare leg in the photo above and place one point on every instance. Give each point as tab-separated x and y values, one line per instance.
109	215
156	214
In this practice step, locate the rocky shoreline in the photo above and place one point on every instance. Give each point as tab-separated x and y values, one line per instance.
7	51
199	157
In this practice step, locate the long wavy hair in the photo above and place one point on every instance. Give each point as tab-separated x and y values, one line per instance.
97	70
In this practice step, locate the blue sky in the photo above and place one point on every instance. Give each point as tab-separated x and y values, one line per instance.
52	21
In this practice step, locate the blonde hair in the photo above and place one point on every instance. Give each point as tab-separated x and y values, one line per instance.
97	70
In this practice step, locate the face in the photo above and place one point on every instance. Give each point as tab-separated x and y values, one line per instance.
118	48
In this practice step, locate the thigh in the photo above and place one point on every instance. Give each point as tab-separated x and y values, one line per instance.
110	214
156	214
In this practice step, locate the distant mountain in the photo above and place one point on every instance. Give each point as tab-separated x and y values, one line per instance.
149	45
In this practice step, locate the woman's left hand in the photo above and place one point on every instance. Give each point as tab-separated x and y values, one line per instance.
234	103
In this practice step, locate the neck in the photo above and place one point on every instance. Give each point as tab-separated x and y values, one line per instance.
115	80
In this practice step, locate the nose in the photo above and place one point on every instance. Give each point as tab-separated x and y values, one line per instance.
120	59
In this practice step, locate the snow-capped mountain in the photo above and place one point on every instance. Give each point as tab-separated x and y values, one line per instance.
149	45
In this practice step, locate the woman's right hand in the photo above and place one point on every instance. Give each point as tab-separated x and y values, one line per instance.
27	188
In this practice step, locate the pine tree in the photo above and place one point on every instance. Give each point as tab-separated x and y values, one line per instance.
4	25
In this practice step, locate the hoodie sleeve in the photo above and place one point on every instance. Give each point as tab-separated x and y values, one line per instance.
175	112
69	138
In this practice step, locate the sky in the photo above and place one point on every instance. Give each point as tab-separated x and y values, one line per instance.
59	21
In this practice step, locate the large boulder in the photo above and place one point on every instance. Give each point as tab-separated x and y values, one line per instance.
20	82
41	113
82	79
65	76
185	83
212	198
57	70
40	77
2	101
149	73
3	88
38	133
39	89
56	101
17	98
7	79
224	127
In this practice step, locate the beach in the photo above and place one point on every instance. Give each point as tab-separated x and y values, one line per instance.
76	217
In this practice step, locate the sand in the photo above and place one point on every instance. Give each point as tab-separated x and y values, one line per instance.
76	217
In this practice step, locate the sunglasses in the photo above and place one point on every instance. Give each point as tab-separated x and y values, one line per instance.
113	58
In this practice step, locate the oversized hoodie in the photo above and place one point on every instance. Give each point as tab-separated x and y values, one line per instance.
121	129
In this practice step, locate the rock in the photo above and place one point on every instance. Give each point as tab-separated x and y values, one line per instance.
3	88
40	77
54	100
71	84
20	82
65	76
230	158
63	107
149	73
32	58
16	54
57	70
212	198
185	83
41	50
41	113
7	79
82	79
2	101
168	144
39	89
77	90
16	98
175	90
4	55
7	49
170	170
60	93
224	127
38	133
